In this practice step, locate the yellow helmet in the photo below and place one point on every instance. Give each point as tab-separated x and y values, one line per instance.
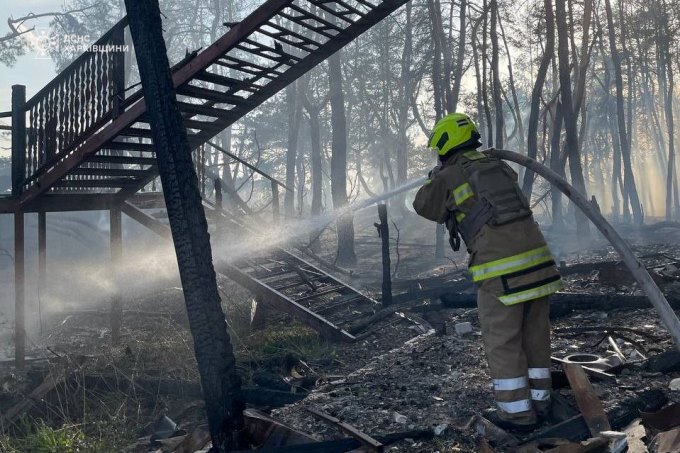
454	131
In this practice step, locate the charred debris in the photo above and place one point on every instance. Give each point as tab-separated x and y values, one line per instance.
412	379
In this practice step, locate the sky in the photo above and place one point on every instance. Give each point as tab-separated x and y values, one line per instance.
32	69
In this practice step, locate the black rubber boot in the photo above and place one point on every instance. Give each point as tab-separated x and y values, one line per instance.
494	417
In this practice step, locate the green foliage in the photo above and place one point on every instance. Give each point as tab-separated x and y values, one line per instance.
45	439
11	48
104	436
299	341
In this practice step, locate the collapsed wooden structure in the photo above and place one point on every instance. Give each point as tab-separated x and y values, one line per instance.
83	142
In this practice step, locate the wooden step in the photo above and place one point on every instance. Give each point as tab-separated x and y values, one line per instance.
131	146
98	183
111	172
132	160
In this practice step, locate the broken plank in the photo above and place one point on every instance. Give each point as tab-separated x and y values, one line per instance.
269	432
667	442
349	429
56	376
598	374
587	400
344	445
620	416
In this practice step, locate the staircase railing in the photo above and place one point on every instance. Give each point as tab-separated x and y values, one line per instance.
82	98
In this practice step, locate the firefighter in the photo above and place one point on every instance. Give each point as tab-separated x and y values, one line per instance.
479	200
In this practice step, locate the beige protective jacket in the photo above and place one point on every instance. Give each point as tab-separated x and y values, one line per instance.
512	260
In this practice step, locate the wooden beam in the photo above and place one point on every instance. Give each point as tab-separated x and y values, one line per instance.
588	402
145	219
8	204
19	293
201	109
42	261
364	438
110	172
116	240
252	167
211	95
18	138
130	146
123	160
54	202
102	183
56	376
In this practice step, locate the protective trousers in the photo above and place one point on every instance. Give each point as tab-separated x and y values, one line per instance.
517	345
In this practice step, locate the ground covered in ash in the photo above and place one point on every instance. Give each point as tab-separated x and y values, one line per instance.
411	372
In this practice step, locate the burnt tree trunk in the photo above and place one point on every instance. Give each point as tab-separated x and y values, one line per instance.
628	178
532	135
569	114
667	85
436	62
485	83
438	100
478	83
345	225
212	345
384	233
294	114
496	78
557	166
404	94
116	243
314	113
460	55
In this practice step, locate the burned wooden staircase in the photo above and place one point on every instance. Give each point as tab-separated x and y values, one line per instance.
285	282
84	141
281	280
82	135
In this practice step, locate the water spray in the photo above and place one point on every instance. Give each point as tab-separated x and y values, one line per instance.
320	222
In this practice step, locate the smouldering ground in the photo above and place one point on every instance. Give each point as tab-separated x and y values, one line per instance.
393	380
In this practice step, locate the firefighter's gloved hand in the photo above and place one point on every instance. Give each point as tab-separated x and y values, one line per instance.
434	171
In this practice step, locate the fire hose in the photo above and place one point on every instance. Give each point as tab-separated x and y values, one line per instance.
637	269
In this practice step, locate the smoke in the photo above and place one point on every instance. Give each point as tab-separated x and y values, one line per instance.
80	275
260	239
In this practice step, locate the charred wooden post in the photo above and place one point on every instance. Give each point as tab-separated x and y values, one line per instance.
218	193
116	239
18	178
18	138
19	292
42	261
220	383
384	234
118	71
275	201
